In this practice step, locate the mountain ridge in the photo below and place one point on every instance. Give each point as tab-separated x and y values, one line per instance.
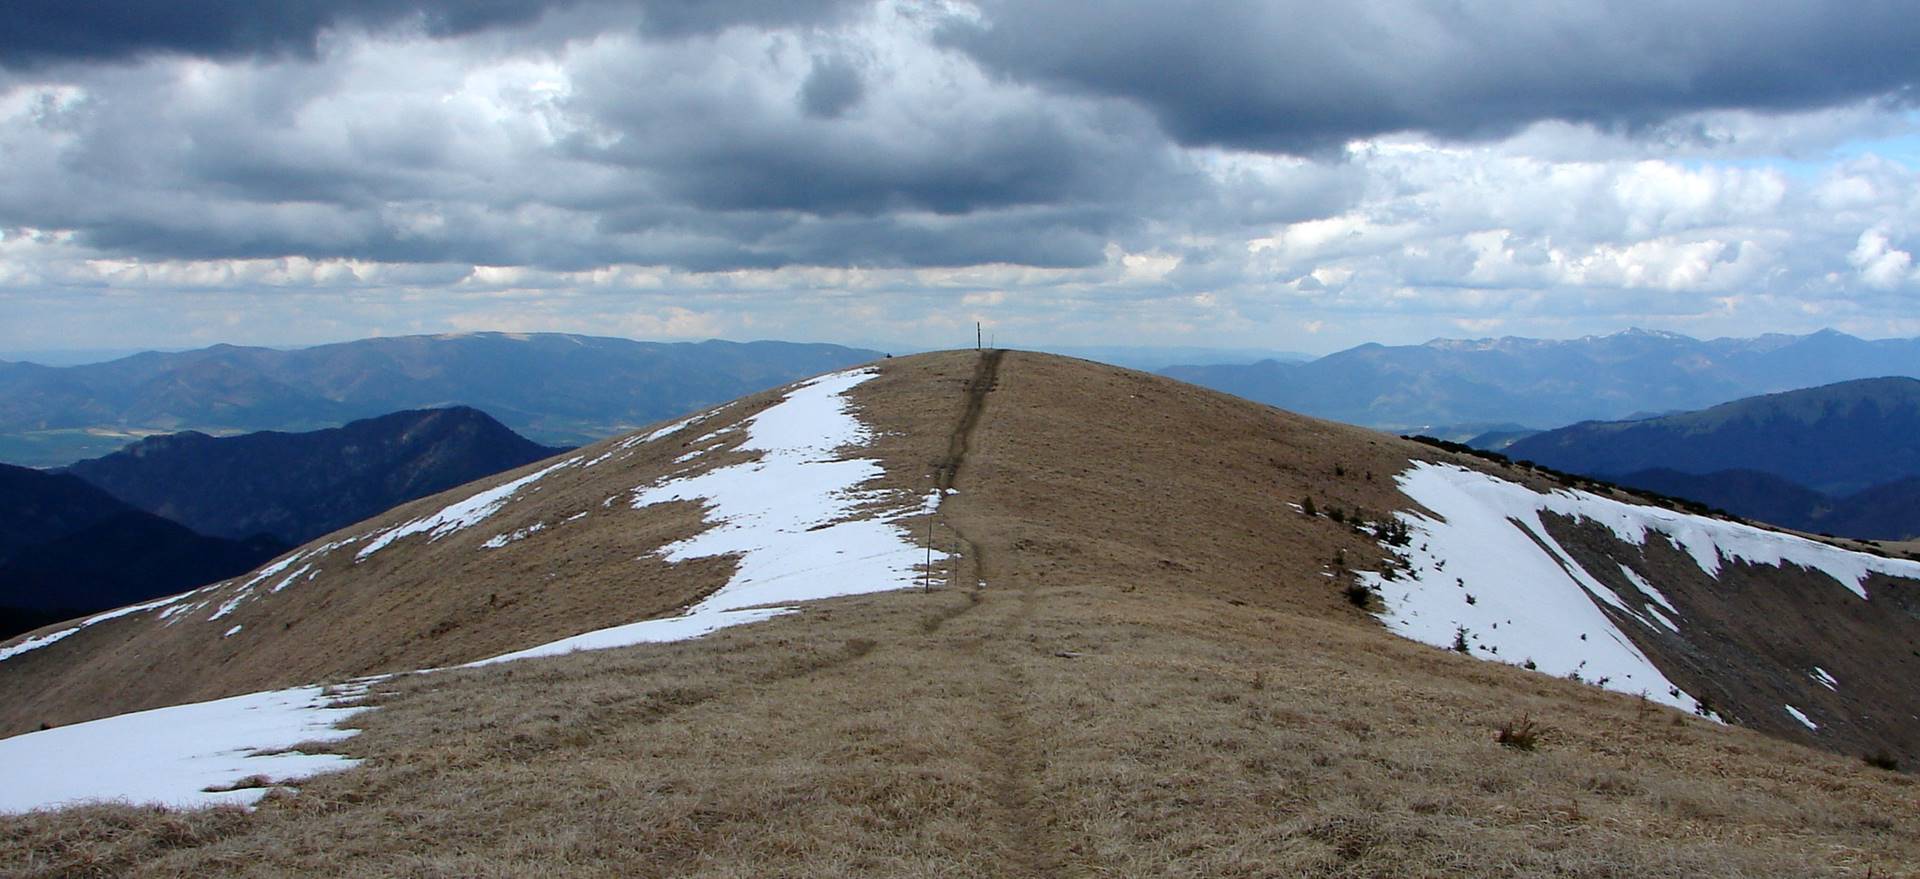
554	388
1837	439
298	486
1546	383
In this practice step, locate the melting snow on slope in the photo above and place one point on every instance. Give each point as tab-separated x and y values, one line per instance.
460	514
170	756
1532	601
1802	717
39	641
1474	569
675	427
1712	542
500	540
787	517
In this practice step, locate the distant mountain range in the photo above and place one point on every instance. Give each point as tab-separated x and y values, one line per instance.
553	388
298	486
1150	358
68	548
1545	383
1841	458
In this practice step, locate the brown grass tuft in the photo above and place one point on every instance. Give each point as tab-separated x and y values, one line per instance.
1521	733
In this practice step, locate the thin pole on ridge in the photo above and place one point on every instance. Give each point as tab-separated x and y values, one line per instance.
976	335
926	582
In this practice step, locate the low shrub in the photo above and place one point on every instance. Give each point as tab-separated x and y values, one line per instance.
1521	733
1881	759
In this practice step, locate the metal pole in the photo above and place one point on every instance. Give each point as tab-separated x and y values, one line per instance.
976	335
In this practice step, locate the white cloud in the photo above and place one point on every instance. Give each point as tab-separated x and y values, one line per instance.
1882	266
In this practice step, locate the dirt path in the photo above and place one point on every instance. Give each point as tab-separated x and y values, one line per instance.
986	374
997	658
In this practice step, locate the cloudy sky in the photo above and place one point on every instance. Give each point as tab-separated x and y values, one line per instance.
1291	175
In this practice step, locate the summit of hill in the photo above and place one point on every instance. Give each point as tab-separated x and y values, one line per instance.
1007	614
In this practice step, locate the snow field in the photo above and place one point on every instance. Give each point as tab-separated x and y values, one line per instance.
788	516
170	756
1531	601
1487	566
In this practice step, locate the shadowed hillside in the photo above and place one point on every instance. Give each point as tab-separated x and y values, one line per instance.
68	548
299	486
1159	641
1836	439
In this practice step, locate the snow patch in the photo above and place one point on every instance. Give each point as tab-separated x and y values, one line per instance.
39	641
35	643
304	569
461	514
676	427
1648	589
693	624
500	540
1533	600
1712	542
1826	680
1797	715
1530	600
787	516
228	606
233	631
170	756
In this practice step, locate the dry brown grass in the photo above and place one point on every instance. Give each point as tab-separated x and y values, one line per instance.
416	604
1119	700
852	740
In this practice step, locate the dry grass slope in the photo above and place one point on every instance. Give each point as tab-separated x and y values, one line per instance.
1155	680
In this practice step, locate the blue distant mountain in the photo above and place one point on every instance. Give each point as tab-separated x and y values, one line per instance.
1842	458
1546	383
554	388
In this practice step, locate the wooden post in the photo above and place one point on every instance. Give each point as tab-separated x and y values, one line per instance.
976	335
926	585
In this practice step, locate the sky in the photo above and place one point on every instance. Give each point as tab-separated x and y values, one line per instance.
1287	175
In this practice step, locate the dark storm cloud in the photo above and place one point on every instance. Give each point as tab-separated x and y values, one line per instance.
1306	76
44	31
832	86
740	134
41	32
685	17
1044	237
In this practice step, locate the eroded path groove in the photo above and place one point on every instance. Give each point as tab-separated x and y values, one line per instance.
997	658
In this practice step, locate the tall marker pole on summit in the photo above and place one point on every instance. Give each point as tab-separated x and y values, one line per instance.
976	335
